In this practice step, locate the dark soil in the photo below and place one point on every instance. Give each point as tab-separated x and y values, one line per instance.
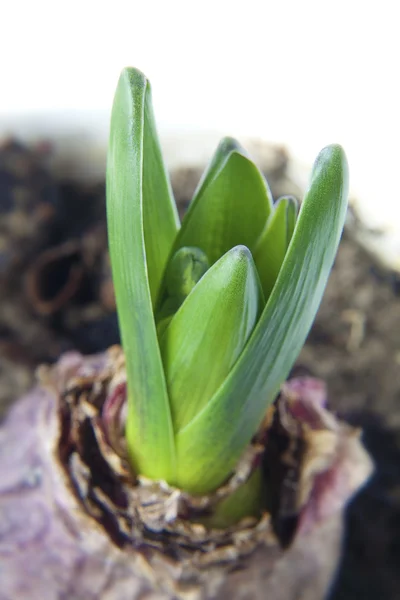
354	344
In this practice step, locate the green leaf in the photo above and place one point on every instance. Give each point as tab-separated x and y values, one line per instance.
208	333
248	500
184	270
271	248
160	216
133	209
291	216
230	206
211	444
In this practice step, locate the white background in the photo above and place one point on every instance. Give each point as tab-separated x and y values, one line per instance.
303	72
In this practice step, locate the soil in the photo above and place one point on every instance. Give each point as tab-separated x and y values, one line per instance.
354	344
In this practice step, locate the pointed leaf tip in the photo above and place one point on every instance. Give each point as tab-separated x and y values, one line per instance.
332	158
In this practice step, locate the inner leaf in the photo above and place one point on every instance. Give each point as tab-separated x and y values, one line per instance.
208	333
230	206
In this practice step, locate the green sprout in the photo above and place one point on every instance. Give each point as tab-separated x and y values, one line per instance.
212	313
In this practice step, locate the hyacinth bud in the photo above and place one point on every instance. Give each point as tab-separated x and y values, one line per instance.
183	272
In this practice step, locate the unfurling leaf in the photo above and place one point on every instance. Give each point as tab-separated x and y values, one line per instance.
208	333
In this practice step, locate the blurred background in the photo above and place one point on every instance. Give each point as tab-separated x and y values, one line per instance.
286	78
302	73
